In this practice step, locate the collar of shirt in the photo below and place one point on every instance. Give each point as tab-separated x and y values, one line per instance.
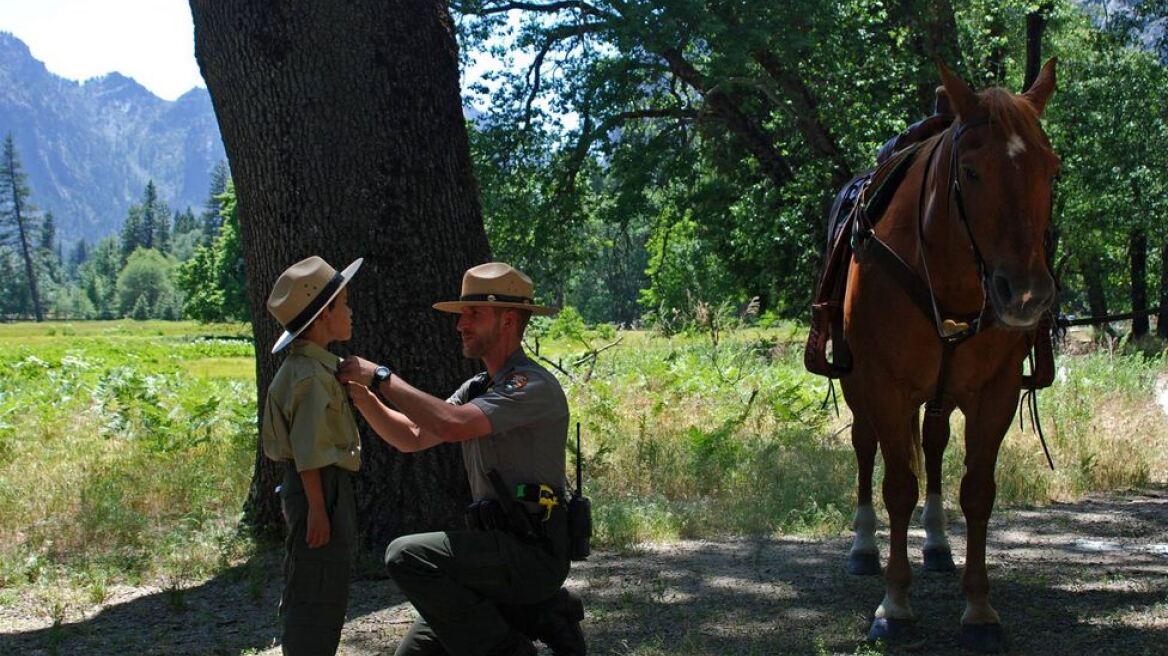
512	362
321	355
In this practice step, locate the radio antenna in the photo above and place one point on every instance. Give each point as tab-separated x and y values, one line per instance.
579	463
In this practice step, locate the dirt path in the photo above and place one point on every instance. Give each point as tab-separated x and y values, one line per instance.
1083	578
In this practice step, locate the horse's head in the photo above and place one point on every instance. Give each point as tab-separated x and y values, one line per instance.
1003	173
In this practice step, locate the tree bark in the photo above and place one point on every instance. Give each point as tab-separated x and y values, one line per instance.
934	34
1035	27
1138	257
1162	317
1096	297
344	130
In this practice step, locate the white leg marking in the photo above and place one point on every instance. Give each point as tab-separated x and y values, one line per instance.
865	527
892	608
981	613
934	521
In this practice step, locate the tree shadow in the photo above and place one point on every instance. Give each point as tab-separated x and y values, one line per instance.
737	596
234	612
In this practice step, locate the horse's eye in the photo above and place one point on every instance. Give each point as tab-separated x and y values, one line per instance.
969	173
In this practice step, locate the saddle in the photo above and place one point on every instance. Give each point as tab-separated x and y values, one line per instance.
855	212
857	207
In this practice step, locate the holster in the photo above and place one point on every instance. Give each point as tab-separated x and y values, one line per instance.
486	515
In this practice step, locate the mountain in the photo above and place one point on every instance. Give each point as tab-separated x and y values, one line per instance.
90	147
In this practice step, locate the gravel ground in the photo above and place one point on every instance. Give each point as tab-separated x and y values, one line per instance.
1083	578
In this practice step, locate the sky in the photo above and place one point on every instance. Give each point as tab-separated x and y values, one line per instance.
151	41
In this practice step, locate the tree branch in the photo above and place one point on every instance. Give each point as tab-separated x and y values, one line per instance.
806	110
757	141
551	7
588	135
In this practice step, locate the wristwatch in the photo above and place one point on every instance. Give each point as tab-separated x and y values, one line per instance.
380	375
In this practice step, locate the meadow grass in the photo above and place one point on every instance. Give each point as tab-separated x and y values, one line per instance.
126	447
123	455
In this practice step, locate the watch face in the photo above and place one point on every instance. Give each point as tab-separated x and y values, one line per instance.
381	373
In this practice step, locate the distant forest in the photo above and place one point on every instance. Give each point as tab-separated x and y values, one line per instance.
644	161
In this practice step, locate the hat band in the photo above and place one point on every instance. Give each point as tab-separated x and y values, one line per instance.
495	298
314	307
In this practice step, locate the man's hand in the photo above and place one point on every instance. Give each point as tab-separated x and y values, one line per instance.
319	530
361	397
356	370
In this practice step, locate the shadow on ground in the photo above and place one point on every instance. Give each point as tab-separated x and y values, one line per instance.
1084	578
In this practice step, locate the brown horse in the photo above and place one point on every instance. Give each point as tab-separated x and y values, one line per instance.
944	295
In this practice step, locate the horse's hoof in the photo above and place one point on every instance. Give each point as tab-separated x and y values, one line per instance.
893	631
864	564
984	638
939	560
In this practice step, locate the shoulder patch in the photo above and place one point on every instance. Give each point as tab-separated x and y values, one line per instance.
515	382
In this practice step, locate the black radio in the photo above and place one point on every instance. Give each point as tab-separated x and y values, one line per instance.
579	512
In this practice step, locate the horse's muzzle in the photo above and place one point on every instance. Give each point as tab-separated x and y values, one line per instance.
1019	301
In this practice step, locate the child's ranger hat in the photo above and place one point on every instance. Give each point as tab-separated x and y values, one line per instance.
303	291
495	284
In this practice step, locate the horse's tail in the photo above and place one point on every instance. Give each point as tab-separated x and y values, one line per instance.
917	463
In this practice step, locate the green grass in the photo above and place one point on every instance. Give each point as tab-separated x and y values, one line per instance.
126	447
685	437
112	452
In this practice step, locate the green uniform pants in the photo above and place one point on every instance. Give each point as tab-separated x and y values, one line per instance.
316	581
456	579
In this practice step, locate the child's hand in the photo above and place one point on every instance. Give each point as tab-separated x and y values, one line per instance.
361	396
319	530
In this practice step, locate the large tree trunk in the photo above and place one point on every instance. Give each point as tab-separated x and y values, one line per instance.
344	129
1138	254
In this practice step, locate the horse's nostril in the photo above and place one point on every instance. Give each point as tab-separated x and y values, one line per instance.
1002	287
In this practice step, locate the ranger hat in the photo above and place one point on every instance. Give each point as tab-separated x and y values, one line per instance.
495	284
303	291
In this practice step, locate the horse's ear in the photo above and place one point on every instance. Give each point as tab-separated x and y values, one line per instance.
961	98
1042	88
941	104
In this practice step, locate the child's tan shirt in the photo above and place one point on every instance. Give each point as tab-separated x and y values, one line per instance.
307	415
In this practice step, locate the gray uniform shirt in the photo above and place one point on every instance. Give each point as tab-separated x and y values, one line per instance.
529	427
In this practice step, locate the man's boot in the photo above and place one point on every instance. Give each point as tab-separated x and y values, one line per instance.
555	622
515	644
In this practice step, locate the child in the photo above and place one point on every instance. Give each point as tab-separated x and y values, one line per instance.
308	424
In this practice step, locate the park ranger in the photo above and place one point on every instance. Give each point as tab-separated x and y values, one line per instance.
492	588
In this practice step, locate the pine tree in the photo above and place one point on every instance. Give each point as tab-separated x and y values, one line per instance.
149	216
161	239
184	222
17	214
132	232
78	257
48	232
213	208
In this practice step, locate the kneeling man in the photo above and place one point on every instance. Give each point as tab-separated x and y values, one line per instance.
494	587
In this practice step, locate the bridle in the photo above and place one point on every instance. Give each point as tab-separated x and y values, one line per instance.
948	330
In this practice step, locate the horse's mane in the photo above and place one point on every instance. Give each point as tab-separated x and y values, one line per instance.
1014	114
